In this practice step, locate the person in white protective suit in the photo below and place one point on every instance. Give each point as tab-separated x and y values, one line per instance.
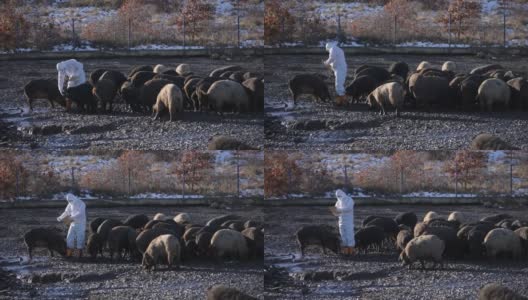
337	62
76	212
74	71
344	210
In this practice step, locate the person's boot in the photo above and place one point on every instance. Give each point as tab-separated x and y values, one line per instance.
80	253
344	250
351	251
68	104
341	100
69	253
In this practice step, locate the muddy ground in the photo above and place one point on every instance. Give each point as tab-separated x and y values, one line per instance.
48	128
375	275
53	278
322	126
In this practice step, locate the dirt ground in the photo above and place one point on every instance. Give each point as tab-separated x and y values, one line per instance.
375	275
53	278
322	126
54	129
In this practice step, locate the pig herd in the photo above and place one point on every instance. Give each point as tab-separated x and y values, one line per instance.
160	90
484	88
161	240
433	239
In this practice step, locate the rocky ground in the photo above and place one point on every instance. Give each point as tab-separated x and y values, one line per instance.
322	126
53	278
53	129
375	275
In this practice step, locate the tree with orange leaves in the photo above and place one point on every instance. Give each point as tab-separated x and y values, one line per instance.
278	22
13	26
281	174
192	167
462	13
193	13
463	165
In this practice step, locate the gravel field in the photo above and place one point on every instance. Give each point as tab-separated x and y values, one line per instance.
53	129
53	278
322	126
376	275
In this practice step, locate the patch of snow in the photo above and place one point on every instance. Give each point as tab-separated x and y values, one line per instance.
431	45
346	44
164	47
357	192
223	7
252	192
495	156
84	195
69	47
165	196
520	192
437	194
489	6
222	157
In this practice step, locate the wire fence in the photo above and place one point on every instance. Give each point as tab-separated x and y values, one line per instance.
505	28
419	176
116	31
170	180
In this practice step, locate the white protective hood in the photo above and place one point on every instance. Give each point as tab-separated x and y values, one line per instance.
344	202
330	45
336	57
76	209
72	69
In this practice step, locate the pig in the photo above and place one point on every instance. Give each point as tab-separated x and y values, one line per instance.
255	88
45	238
170	98
220	292
309	84
139	69
43	89
136	221
144	238
166	248
321	235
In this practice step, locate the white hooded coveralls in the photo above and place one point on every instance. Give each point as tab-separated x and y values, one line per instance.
336	60
345	208
72	69
76	210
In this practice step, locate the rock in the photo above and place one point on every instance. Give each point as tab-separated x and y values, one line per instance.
307	125
317	275
45	278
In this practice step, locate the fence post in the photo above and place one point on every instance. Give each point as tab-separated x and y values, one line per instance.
394	32
449	30
17	184
238	23
282	32
128	33
129	182
511	174
183	184
183	28
346	177
73	33
17	34
289	183
238	176
401	180
338	27
72	179
504	23
456	179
